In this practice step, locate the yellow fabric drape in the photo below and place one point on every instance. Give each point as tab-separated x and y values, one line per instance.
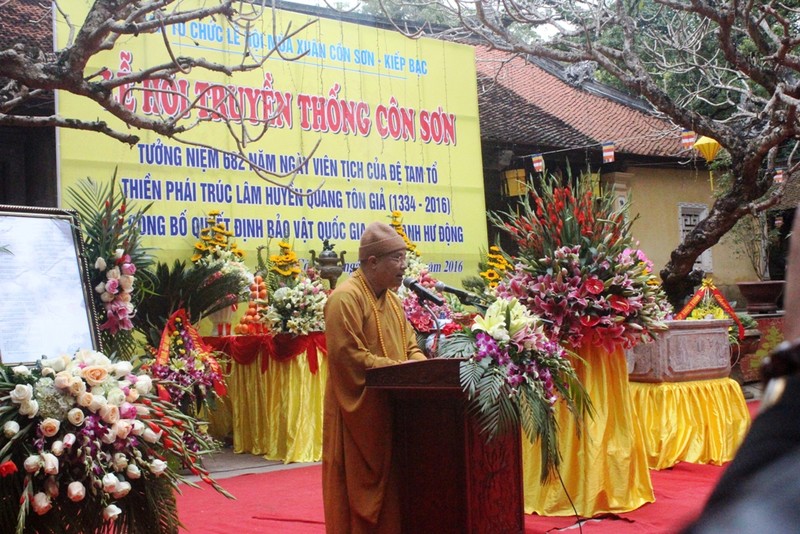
605	468
220	419
703	421
278	413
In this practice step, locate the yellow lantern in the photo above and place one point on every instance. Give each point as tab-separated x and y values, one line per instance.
708	148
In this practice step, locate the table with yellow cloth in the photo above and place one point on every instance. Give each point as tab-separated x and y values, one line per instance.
701	421
276	388
604	469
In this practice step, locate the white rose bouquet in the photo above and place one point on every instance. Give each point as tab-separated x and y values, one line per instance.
297	309
84	443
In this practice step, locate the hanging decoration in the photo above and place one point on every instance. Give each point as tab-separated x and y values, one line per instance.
608	152
707	288
688	138
538	162
708	148
779	177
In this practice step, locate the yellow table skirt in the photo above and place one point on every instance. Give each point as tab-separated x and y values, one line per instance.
278	413
605	469
702	421
220	421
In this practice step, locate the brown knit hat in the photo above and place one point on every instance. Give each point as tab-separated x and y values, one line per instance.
379	239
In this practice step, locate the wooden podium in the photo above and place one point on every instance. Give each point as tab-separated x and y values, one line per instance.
452	481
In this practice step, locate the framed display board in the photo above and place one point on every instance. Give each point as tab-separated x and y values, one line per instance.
45	298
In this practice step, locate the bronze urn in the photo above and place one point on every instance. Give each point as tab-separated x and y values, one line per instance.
329	264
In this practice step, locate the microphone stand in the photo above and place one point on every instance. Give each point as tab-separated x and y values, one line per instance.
473	300
435	344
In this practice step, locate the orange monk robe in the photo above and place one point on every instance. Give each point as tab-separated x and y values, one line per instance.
358	483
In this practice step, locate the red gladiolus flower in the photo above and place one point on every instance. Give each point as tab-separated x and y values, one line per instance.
620	304
163	394
8	468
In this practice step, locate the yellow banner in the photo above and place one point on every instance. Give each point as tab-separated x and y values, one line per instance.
396	120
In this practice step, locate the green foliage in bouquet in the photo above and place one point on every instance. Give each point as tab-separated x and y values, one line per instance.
579	267
201	288
514	375
115	254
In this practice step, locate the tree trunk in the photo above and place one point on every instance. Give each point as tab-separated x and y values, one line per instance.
679	277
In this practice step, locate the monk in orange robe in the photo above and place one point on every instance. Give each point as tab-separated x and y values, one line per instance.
365	328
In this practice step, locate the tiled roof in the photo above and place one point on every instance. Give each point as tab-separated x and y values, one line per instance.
527	100
28	22
506	118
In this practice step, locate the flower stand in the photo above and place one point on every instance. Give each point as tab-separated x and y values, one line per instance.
690	411
276	390
604	469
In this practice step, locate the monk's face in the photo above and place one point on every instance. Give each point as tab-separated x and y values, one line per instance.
389	270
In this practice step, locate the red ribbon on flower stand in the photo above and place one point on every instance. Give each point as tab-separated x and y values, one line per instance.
705	288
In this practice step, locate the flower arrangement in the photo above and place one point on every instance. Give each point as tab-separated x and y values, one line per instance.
396	222
513	374
84	447
420	319
579	268
285	263
709	303
494	266
185	367
297	309
115	291
295	298
112	242
217	251
215	243
200	288
418	316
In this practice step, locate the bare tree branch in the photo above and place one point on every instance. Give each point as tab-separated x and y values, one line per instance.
728	70
28	73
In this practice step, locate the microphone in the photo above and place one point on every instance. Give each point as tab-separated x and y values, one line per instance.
421	292
462	295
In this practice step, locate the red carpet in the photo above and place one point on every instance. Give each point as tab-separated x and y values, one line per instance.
290	501
680	494
287	501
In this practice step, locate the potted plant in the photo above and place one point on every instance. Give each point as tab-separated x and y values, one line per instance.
752	239
743	350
